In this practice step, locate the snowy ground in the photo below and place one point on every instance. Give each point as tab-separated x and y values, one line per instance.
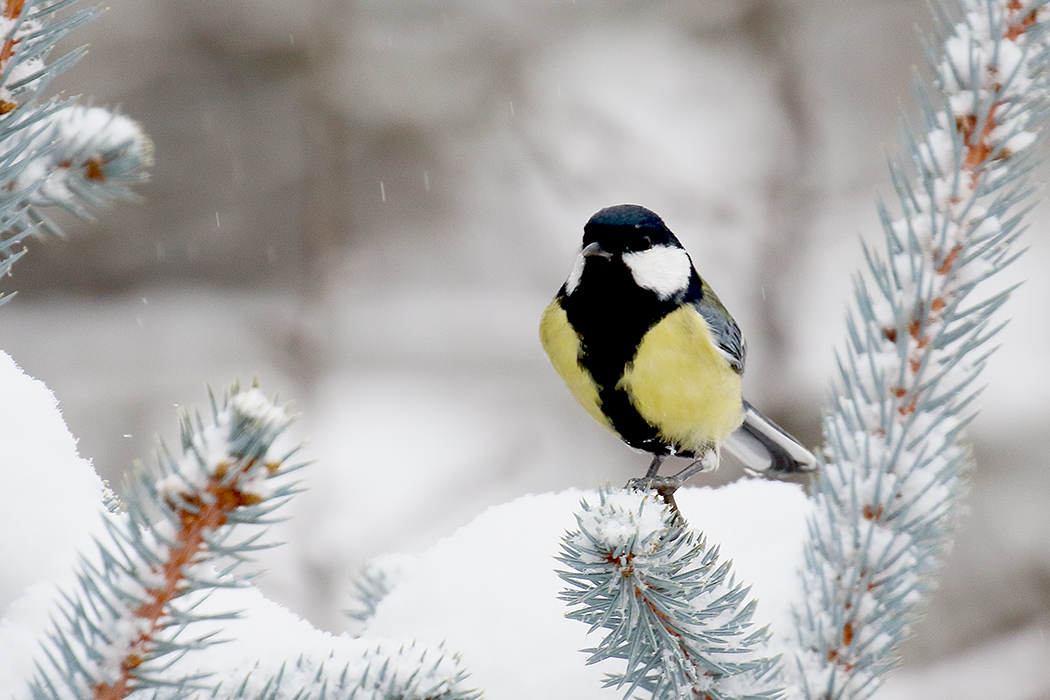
476	140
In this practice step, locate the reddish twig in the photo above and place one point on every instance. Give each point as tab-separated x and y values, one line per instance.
199	513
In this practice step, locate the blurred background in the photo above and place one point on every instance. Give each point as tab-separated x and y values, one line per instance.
366	204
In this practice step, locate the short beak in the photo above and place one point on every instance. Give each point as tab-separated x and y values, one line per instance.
593	250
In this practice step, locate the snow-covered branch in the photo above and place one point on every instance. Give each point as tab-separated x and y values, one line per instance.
30	30
136	597
146	600
917	340
355	669
83	156
54	152
671	608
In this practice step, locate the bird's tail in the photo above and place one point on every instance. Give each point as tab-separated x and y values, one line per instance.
763	446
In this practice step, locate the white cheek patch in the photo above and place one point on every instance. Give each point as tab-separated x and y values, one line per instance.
574	277
663	269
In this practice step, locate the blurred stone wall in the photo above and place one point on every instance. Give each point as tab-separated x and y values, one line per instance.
400	185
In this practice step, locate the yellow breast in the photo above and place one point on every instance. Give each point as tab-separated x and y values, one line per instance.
562	345
678	382
682	385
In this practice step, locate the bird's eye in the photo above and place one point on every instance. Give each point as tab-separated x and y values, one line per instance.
645	243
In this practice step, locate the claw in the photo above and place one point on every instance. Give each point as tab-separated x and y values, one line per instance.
664	486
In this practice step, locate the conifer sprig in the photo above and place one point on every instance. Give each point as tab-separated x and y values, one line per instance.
916	341
53	152
382	670
670	608
135	601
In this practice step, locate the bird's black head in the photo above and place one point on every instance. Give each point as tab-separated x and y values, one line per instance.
629	248
627	228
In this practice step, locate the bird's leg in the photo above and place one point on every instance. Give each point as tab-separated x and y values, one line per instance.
654	466
708	462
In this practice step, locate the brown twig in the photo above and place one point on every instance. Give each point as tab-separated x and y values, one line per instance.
198	513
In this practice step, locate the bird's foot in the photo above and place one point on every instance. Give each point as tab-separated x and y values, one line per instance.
667	485
664	486
654	483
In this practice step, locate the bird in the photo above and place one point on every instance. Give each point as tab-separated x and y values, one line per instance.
647	348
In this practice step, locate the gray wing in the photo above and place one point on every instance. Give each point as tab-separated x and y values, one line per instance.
726	333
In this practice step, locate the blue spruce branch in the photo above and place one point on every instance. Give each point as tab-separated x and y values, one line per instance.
133	610
375	580
917	339
670	608
382	671
54	152
135	624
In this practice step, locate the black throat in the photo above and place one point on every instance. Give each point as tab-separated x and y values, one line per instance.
610	313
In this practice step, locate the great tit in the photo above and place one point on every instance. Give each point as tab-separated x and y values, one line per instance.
651	353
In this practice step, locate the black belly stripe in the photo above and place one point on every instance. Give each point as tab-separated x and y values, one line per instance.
629	424
610	325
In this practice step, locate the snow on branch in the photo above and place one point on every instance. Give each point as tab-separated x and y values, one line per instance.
135	600
54	153
30	30
670	607
83	155
917	340
378	671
